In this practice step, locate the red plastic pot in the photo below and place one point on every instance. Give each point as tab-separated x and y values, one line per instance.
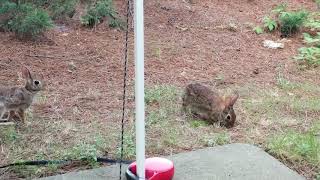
156	169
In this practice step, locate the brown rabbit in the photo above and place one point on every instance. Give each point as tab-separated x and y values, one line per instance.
209	105
17	99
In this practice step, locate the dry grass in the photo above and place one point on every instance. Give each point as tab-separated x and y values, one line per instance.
262	114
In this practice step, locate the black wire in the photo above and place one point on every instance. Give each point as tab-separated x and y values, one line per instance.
124	87
46	162
106	160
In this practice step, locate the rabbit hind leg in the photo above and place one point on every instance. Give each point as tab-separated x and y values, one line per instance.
3	111
21	115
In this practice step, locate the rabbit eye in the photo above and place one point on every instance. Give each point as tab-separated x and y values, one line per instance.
36	82
228	117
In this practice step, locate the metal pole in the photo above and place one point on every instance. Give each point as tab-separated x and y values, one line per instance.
139	87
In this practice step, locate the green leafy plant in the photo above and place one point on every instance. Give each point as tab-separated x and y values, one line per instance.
270	24
24	19
312	40
310	56
258	30
96	12
288	22
30	21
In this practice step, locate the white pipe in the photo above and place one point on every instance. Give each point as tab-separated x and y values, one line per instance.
139	87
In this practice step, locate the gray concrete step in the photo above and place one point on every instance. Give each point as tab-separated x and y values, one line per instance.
228	162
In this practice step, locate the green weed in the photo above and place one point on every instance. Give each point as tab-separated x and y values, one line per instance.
310	56
84	152
258	30
270	24
129	148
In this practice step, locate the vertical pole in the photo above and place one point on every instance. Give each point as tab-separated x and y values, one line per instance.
139	87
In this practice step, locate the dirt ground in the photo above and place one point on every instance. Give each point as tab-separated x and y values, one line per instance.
205	42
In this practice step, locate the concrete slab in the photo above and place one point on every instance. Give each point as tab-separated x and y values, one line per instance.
228	162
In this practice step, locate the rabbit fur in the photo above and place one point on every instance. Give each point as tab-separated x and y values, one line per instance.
209	105
17	99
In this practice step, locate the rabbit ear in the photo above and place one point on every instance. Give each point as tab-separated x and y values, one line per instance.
26	73
229	101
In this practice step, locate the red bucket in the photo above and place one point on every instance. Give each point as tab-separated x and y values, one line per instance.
156	169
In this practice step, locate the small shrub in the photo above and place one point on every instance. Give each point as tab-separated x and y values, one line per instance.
30	22
24	19
290	22
60	9
98	11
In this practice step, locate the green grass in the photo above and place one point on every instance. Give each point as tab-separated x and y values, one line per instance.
289	99
286	84
161	93
261	112
41	139
195	123
83	151
296	146
8	135
156	116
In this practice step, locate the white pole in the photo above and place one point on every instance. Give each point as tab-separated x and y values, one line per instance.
139	87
